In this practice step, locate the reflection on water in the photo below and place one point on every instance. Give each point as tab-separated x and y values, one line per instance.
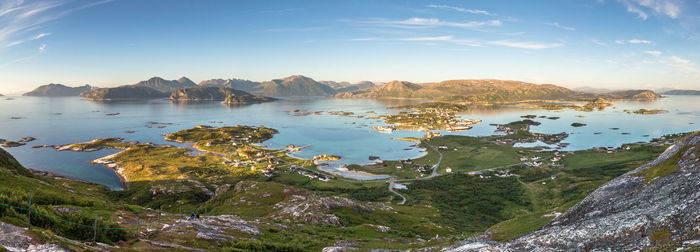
68	120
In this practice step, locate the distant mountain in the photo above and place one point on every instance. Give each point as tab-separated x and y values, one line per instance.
632	95
487	92
239	84
296	85
130	92
55	90
592	90
393	89
228	95
166	86
682	92
335	84
354	87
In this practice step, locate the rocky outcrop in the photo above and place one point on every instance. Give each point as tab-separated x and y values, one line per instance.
13	238
626	213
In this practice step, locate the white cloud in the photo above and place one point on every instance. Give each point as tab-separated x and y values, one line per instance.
526	45
670	8
654	53
597	42
432	22
42	47
639	41
472	11
557	25
681	64
19	19
619	42
438	38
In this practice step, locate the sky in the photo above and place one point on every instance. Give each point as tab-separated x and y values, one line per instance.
612	44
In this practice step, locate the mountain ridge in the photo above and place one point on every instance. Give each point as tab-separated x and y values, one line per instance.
57	90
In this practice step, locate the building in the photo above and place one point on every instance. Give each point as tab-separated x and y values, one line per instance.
448	170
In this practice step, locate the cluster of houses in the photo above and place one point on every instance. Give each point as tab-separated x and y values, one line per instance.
545	138
434	119
308	174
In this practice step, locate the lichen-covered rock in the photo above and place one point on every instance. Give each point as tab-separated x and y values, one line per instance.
624	214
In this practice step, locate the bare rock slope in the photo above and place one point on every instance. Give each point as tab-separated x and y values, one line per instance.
652	206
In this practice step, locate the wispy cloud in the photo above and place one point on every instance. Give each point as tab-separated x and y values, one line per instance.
669	8
19	19
638	41
471	43
681	64
42	47
557	25
431	22
654	53
526	45
597	42
460	9
633	41
438	38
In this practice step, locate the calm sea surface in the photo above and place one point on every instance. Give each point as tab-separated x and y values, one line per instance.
59	121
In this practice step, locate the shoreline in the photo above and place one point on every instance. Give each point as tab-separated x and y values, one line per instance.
108	163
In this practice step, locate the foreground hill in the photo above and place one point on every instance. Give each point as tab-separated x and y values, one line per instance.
239	84
486	92
228	95
682	92
122	93
55	90
166	86
295	85
653	206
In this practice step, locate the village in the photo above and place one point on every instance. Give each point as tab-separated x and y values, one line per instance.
426	119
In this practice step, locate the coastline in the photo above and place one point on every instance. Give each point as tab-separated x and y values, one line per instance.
107	162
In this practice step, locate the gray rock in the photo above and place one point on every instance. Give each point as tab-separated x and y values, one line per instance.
623	214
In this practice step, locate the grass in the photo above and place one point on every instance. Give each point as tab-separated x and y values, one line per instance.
516	227
111	142
663	169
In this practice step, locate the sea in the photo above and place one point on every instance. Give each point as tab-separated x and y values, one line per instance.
65	120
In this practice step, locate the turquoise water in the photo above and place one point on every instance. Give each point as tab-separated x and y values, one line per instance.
59	121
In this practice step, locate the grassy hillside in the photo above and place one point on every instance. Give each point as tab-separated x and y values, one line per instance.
487	92
296	85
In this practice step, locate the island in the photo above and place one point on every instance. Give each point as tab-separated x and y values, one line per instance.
56	90
122	93
646	112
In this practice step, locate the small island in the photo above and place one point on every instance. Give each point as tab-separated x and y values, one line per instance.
647	112
578	124
325	157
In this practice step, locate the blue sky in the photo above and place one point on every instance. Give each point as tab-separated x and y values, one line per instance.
599	43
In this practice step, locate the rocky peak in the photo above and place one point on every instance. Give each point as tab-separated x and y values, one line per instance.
653	205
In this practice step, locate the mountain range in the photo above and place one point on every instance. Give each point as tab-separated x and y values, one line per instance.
487	91
56	90
682	92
